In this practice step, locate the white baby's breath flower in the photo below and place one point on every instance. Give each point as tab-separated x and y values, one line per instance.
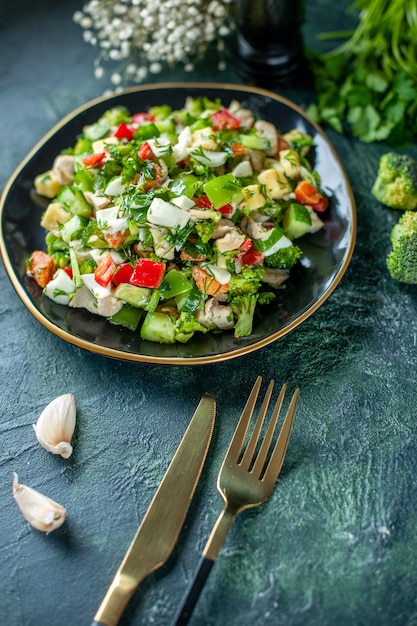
142	36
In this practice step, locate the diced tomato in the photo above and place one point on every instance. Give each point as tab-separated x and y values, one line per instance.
246	245
252	257
238	149
203	202
223	120
115	240
142	118
105	270
148	273
91	160
145	151
41	267
123	274
68	271
124	132
306	193
226	210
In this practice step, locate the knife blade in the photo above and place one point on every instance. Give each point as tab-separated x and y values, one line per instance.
158	532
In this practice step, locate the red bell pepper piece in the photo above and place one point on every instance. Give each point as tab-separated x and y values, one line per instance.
148	273
145	151
142	118
105	270
90	160
68	271
203	202
249	256
226	210
306	193
223	120
123	274
124	132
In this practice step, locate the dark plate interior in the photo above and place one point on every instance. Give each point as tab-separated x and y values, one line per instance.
326	254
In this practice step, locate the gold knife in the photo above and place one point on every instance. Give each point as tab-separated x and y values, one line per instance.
158	533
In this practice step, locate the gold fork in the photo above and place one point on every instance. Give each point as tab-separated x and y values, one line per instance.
246	479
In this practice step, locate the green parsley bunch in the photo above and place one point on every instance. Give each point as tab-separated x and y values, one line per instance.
368	84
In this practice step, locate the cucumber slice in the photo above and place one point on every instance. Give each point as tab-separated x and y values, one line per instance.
131	294
296	220
158	327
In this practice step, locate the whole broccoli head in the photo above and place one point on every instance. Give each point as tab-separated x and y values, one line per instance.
243	308
284	258
396	181
402	260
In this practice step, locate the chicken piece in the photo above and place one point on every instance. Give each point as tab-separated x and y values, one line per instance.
232	240
222	227
275	277
253	229
220	315
63	169
245	115
256	159
163	248
99	202
84	299
108	306
268	131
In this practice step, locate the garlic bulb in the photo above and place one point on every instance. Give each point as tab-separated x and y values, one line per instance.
56	425
40	511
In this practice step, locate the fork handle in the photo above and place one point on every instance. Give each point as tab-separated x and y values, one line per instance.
186	609
207	560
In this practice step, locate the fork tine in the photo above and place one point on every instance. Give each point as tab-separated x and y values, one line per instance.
235	446
264	449
250	448
277	457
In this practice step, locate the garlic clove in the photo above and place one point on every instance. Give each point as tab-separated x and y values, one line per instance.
40	511
56	425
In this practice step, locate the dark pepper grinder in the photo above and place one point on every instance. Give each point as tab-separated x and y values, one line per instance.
268	45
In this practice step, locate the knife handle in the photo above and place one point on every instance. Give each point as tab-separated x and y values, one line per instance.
186	609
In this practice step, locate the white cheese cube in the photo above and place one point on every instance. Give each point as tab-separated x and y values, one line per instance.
167	214
60	287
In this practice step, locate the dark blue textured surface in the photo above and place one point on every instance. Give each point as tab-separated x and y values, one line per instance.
336	543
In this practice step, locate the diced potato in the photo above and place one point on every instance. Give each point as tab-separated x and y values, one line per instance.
102	145
253	197
276	183
54	215
204	138
47	184
290	162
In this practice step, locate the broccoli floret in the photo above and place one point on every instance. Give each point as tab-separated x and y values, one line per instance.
185	327
396	181
402	260
245	283
92	237
205	230
116	116
243	308
88	266
284	258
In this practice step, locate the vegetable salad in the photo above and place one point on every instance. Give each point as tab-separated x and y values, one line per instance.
176	222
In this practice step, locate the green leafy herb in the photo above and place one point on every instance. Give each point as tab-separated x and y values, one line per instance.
369	83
